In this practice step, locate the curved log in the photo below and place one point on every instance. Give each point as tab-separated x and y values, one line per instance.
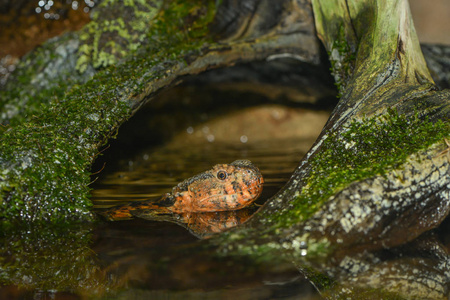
50	142
378	176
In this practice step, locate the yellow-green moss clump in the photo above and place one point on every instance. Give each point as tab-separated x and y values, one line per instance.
108	39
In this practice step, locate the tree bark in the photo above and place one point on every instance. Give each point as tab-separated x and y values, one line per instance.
376	177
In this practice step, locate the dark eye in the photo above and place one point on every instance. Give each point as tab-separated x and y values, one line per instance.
222	175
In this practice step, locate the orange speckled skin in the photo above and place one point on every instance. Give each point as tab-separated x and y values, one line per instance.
225	187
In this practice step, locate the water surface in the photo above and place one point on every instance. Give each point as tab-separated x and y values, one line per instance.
140	259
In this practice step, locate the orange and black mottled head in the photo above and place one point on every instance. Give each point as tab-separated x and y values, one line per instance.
224	187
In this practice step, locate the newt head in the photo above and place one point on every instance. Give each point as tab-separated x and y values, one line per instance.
224	187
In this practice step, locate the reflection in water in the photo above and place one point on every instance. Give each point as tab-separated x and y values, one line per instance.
224	187
138	259
48	259
209	202
418	270
203	224
200	224
144	259
154	173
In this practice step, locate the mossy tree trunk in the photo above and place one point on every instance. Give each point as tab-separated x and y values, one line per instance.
378	176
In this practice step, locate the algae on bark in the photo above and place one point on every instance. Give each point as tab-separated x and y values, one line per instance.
46	158
377	169
379	174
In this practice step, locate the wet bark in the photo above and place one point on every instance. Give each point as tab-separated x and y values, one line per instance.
378	64
379	209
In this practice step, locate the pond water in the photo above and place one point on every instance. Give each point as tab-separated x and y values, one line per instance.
173	138
168	141
272	136
182	133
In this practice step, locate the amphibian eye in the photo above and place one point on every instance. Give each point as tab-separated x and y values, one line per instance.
222	175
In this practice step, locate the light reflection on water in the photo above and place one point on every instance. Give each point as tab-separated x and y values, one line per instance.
154	172
143	259
274	144
143	179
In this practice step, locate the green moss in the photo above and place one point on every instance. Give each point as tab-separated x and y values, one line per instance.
321	281
342	58
44	162
106	40
366	148
258	244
